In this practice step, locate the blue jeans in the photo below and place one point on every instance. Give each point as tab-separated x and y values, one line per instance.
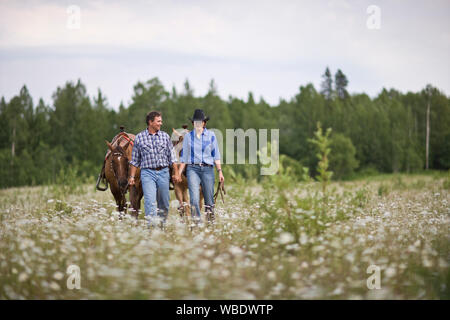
204	176
155	185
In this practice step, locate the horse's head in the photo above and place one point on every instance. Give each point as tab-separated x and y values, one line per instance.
178	143
119	164
180	137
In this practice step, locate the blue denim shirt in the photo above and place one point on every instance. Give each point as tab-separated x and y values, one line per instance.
200	150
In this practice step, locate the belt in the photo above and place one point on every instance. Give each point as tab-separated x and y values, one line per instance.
201	164
158	168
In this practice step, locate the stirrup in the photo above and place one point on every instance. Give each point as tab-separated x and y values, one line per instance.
99	180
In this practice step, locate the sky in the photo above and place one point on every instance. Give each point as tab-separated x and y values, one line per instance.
270	48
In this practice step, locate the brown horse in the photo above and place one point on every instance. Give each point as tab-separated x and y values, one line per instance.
117	163
181	188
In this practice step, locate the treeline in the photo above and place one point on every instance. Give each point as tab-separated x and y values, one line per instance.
39	142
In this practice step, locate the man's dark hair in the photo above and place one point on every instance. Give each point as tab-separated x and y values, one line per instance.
151	116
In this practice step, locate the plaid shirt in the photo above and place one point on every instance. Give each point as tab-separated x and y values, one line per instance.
152	150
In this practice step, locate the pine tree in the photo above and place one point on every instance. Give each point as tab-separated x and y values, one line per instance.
327	85
428	91
212	90
341	82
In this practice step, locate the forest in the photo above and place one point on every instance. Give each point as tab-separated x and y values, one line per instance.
43	144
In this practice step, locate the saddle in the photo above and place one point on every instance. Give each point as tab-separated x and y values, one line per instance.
121	139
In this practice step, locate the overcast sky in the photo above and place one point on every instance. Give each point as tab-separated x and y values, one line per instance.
267	47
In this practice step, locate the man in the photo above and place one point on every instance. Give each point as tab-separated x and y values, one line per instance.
200	153
153	153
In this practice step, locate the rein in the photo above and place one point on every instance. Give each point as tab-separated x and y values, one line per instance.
221	189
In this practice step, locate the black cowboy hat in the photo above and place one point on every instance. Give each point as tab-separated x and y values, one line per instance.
199	115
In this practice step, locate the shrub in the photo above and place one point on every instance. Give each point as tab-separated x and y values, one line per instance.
322	142
342	159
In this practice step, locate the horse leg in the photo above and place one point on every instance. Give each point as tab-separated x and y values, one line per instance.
201	198
140	195
132	191
186	205
135	200
179	196
117	198
122	205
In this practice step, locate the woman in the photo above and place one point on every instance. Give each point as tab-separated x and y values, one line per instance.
200	153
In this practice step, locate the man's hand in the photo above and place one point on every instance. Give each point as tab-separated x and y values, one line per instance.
132	174
176	178
221	177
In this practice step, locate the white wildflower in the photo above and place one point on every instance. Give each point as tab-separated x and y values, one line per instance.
303	238
235	250
295	276
285	238
390	272
318	248
23	277
271	275
337	291
204	264
58	275
54	286
427	262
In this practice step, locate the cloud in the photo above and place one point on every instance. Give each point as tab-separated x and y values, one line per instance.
290	42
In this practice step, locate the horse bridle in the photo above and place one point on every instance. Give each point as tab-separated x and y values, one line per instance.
115	176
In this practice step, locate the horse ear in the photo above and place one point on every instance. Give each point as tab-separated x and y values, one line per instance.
176	132
109	145
125	147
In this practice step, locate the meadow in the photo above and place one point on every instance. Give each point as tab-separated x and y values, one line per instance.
276	239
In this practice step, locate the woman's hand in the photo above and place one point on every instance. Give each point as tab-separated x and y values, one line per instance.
176	178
